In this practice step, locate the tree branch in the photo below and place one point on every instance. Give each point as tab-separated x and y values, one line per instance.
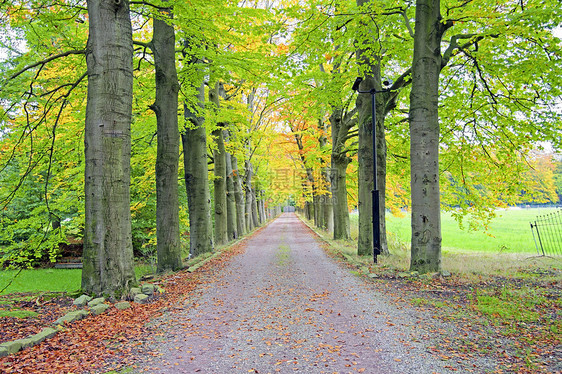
47	60
148	4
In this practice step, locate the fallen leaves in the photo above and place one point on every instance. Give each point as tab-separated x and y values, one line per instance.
106	342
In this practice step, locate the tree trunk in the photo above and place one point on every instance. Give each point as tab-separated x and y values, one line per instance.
370	64
261	217
339	193
250	223
261	208
340	161
365	162
219	157
319	211
167	158
232	227
239	197
328	205
424	133
365	158
255	217
108	251
194	142
325	200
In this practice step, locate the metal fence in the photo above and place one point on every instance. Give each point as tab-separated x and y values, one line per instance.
547	233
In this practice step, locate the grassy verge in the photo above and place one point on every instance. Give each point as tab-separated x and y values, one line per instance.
51	280
504	306
41	280
509	232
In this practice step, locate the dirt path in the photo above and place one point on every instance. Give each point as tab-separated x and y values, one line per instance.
284	306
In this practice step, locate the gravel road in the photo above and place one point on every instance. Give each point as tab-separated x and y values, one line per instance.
284	306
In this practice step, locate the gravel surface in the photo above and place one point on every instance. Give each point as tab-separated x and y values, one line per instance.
284	306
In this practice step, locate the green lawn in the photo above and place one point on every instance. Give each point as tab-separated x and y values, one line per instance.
39	280
50	280
508	232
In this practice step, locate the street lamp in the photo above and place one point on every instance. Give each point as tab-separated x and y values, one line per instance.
375	192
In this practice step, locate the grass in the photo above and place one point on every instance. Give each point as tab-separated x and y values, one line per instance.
18	313
509	232
470	263
513	296
40	280
51	280
283	255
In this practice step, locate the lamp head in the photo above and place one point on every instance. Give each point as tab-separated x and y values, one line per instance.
356	84
387	83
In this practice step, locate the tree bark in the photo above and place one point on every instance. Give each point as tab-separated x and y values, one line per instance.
370	64
232	227
424	133
239	198
340	161
194	142
255	216
108	266
219	157
365	159
328	205
167	158
325	200
250	222
339	193
261	207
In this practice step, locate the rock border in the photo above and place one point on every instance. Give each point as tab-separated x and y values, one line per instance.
90	306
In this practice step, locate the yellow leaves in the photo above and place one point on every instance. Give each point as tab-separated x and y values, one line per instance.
282	49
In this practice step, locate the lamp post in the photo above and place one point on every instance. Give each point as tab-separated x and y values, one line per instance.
375	192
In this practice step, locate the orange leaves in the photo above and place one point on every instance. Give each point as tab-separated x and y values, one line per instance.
282	49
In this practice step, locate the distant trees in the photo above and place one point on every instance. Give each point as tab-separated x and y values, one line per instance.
558	178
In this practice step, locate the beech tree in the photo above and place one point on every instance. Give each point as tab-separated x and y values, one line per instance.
194	141
219	162
108	254
166	108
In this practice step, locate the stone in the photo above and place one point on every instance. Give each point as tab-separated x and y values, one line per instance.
82	301
148	289
99	309
141	298
123	305
135	291
373	276
46	333
13	346
97	301
8	348
403	275
445	273
71	317
27	342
